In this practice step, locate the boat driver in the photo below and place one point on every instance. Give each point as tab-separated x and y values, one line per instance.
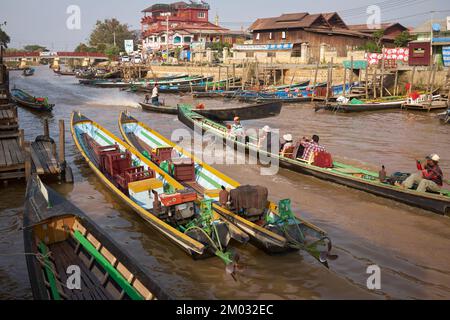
429	178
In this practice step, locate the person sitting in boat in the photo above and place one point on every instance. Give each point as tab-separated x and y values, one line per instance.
430	177
287	145
310	147
265	140
155	95
236	128
147	99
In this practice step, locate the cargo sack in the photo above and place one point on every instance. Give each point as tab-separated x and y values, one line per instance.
251	199
397	177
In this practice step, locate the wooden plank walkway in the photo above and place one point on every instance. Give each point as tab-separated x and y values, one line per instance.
44	158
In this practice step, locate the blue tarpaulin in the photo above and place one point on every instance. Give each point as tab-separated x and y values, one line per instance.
446	56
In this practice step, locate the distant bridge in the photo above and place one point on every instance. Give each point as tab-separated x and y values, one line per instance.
24	57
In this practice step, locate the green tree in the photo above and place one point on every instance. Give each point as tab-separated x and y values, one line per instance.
107	31
112	51
403	39
4	38
34	47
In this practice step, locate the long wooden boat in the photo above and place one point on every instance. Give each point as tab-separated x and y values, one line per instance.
445	117
58	236
390	104
171	86
28	72
140	82
147	85
199	87
256	111
436	104
64	73
28	101
273	228
165	204
340	173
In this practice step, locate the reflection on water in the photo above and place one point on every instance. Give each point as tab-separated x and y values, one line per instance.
410	245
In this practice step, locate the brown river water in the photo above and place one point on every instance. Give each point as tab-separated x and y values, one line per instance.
411	246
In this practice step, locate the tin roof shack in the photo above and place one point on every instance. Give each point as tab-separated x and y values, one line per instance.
419	53
309	34
390	30
438	32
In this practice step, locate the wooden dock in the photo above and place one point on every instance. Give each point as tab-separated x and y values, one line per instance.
18	158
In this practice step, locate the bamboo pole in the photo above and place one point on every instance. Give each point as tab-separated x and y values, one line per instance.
433	77
367	81
228	80
328	82
396	83
374	82
382	74
351	70
412	80
315	80
430	72
344	85
331	76
62	142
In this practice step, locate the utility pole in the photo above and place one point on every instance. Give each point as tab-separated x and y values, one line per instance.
167	15
114	35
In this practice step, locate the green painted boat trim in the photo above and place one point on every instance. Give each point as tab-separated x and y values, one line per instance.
112	272
205	123
49	272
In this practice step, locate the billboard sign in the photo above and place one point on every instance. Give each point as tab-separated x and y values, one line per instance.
129	46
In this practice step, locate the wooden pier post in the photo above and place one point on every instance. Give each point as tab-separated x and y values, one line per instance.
46	129
382	74
396	83
315	80
344	82
234	75
367	81
21	138
62	142
351	70
328	82
411	85
228	80
27	148
374	82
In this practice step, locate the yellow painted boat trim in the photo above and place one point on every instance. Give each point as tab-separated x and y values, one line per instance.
174	233
179	149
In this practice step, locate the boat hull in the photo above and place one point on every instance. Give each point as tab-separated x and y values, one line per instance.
427	201
38	213
190	246
258	111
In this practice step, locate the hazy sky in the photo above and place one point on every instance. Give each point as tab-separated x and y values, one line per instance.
44	21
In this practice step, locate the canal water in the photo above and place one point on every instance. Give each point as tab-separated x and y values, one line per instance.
409	245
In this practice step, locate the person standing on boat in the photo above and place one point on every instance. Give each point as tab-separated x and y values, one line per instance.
155	95
310	147
430	177
268	137
236	128
224	197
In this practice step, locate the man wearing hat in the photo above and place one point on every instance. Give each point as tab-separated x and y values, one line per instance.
287	145
430	177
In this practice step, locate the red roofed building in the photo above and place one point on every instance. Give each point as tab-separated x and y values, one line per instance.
188	23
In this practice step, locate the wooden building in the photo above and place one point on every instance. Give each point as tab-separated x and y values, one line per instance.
307	36
390	30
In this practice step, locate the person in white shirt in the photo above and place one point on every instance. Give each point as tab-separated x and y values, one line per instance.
155	95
